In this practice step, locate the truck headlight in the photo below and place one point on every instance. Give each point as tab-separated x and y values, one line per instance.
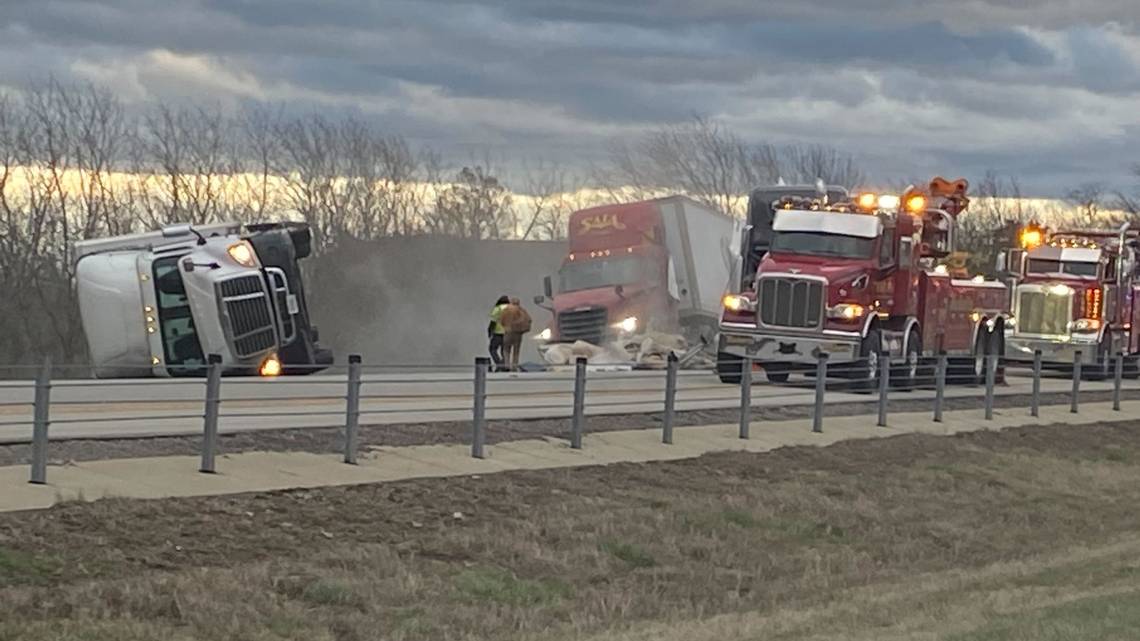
242	254
738	303
270	367
846	311
1086	325
544	335
627	324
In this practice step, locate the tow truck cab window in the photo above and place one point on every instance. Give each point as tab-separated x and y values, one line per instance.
1048	266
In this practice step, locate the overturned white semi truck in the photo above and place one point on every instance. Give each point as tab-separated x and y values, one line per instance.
158	303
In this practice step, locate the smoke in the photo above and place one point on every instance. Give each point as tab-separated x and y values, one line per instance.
424	299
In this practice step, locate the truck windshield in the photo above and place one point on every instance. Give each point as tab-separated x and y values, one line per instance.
180	345
819	244
606	272
1043	266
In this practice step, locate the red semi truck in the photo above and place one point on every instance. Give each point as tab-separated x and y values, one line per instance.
854	279
1074	290
652	266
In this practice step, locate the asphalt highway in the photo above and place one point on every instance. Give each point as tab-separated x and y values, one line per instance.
162	407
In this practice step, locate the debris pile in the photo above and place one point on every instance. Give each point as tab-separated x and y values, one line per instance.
644	351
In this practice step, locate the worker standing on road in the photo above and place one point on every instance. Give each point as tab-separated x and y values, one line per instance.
495	332
516	322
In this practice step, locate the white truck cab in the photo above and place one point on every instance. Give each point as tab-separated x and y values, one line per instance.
157	303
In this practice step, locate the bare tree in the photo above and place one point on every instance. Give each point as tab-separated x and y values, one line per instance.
474	205
805	164
1088	201
989	226
546	186
699	158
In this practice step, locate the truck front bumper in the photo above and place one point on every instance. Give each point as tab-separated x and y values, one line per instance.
765	345
1053	350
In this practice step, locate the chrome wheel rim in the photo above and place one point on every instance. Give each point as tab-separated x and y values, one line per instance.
872	365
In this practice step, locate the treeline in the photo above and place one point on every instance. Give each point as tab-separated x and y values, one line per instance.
77	163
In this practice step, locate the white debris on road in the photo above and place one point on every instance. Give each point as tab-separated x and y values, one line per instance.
646	351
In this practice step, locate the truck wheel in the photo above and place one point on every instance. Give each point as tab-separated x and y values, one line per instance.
907	374
997	349
978	366
1102	368
776	372
1131	367
728	368
866	371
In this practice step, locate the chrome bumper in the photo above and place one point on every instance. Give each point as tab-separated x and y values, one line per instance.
1053	350
768	346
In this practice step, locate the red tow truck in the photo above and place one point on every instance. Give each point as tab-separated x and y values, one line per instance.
856	278
1075	290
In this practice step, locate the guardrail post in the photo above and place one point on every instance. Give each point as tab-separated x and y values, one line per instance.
1117	377
1074	402
672	364
213	403
40	421
745	396
820	390
579	419
991	373
352	409
1033	409
939	386
884	385
479	411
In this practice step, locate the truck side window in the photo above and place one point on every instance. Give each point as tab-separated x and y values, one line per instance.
887	248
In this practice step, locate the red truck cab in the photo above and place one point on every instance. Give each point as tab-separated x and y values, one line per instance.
1074	291
652	266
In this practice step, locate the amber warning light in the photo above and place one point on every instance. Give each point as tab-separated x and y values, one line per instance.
1031	237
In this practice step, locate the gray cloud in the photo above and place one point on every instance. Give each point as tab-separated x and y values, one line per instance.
1048	91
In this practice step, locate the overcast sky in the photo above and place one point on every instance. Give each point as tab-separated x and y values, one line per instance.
1046	90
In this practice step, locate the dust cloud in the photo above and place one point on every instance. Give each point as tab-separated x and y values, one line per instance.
423	299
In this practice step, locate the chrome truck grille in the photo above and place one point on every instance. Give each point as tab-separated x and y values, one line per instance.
583	325
791	302
251	319
1043	312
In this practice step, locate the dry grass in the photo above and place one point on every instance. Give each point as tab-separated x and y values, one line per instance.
1017	535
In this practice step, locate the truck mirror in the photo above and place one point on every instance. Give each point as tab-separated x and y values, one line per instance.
1012	262
1002	265
547	287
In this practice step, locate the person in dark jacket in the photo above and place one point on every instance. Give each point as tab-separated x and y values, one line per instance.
495	332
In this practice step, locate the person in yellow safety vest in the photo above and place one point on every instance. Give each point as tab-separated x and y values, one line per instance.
495	332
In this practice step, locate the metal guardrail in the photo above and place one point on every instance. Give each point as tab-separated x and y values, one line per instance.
869	376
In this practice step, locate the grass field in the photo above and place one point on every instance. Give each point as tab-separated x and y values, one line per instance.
1025	534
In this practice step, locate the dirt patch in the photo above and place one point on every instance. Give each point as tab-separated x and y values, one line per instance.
328	440
569	553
